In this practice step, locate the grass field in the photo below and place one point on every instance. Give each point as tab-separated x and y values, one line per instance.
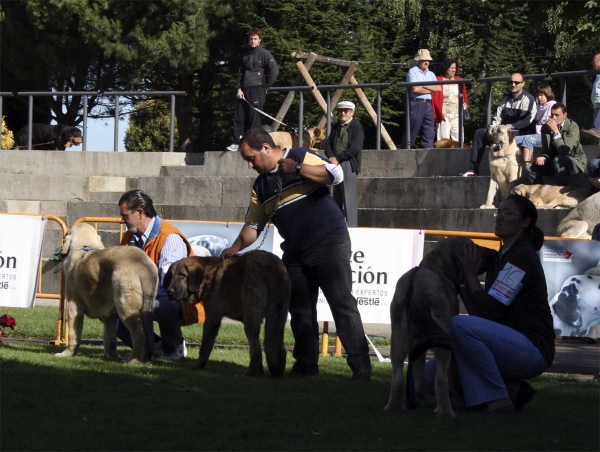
88	403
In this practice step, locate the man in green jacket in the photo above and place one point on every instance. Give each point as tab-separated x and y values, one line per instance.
562	154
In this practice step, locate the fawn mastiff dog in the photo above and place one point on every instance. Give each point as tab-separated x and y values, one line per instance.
580	222
551	196
311	138
104	284
425	300
505	165
248	288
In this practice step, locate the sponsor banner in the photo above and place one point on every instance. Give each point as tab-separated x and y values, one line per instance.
572	270
379	257
21	240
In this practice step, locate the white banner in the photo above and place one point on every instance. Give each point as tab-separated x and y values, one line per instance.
21	240
379	258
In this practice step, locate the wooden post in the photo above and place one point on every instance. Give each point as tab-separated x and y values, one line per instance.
310	82
287	102
384	134
339	92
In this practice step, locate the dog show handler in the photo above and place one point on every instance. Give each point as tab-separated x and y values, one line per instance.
164	244
508	336
292	191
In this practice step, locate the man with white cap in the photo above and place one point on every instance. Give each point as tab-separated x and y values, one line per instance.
421	110
344	146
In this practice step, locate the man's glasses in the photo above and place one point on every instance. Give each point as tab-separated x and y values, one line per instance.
513	82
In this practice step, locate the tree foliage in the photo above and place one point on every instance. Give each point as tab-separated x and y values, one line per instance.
149	127
196	46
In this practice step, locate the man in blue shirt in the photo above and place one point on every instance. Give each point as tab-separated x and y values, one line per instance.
421	110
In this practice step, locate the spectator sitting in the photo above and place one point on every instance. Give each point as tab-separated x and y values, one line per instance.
445	102
545	97
516	110
562	155
593	169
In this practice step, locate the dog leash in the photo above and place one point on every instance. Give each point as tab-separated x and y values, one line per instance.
264	114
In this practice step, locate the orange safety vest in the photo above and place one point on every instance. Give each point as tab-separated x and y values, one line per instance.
192	313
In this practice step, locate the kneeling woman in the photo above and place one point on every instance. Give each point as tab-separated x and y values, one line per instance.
508	335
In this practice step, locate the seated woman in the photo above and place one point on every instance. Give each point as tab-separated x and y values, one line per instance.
445	102
508	335
545	97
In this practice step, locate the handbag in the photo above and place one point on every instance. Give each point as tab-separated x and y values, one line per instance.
466	116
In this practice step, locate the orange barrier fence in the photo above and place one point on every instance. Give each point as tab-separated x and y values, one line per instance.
54	296
486	239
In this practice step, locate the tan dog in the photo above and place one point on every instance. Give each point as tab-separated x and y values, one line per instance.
551	196
311	138
505	165
424	302
247	288
580	222
446	143
105	283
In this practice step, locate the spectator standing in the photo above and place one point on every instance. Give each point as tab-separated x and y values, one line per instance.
421	111
344	147
291	191
594	132
164	244
445	102
258	71
562	154
517	110
545	98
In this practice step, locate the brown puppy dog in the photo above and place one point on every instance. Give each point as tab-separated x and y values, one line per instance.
505	165
424	302
247	288
311	138
446	143
551	196
105	283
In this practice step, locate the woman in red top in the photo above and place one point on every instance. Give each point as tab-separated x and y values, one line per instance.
445	102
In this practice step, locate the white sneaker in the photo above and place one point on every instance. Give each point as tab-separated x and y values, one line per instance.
179	353
469	174
233	147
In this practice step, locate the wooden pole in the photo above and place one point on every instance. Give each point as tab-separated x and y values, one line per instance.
384	134
310	82
287	102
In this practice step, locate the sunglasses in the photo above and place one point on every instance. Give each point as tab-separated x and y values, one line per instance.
513	82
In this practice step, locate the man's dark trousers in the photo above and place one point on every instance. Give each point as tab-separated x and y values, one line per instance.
245	117
327	265
480	141
421	120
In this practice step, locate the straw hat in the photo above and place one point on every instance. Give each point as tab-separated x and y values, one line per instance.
423	55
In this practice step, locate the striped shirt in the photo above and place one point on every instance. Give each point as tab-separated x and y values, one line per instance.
173	250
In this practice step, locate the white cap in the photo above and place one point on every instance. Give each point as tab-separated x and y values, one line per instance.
346	104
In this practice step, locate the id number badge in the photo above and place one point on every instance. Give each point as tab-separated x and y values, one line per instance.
507	284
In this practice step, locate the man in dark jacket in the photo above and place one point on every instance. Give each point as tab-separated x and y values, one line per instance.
344	147
258	71
562	154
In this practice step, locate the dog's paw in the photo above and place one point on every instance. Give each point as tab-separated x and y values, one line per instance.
487	206
441	412
64	354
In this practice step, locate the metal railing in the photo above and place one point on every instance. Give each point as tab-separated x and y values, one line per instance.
86	95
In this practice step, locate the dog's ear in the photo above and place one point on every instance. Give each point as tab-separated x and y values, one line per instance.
195	277
511	135
66	245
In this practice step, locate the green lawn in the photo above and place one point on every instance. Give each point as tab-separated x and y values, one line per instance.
88	403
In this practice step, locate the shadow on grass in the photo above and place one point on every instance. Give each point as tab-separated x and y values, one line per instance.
88	403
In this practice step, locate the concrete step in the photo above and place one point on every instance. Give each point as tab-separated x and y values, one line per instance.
474	220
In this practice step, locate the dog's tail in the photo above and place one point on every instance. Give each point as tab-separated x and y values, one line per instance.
148	323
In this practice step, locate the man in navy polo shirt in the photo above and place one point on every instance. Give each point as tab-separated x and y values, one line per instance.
421	110
292	191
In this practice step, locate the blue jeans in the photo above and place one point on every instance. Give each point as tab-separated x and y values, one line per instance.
490	355
327	265
529	141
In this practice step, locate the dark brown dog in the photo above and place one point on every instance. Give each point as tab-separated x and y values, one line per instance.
446	143
247	288
49	137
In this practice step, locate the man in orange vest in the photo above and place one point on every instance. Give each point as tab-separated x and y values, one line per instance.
165	244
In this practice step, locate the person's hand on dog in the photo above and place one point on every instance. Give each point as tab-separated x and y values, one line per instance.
470	259
228	252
